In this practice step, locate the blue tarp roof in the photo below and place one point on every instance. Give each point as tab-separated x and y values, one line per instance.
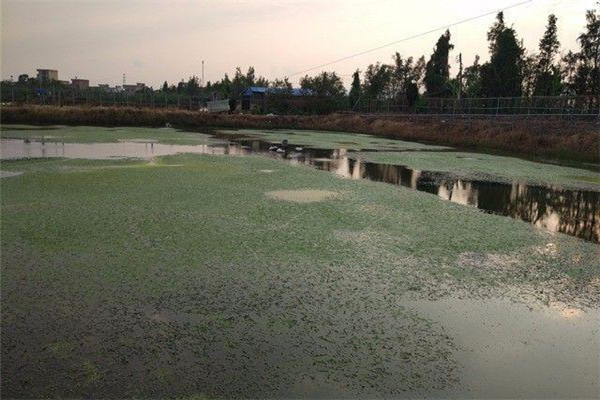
261	89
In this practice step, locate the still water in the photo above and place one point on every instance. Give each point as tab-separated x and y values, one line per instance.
573	212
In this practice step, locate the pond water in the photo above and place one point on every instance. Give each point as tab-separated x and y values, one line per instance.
573	212
510	350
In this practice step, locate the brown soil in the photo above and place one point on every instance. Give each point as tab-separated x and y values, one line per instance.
301	196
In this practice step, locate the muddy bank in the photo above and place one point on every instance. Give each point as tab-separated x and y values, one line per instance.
546	138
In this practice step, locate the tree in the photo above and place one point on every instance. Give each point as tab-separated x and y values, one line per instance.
225	86
529	74
502	75
583	73
412	94
495	31
262	81
406	77
181	87
437	71
546	74
281	84
326	84
192	88
238	83
250	75
354	95
377	80
165	87
472	79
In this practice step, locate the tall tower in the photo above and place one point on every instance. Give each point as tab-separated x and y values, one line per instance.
202	83
124	80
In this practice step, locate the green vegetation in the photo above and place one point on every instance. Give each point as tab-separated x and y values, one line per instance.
488	167
198	276
90	134
186	276
331	140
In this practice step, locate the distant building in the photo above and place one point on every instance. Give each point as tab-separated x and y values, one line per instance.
257	95
105	87
47	75
80	84
131	89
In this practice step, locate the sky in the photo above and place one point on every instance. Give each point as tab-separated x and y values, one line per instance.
152	41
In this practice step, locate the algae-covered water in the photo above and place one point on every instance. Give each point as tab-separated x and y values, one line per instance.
553	197
205	275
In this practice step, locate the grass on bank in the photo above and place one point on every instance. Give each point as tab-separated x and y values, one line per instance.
184	277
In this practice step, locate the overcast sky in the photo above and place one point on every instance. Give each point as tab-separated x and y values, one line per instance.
152	41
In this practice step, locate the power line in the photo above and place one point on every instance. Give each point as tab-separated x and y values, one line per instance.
411	37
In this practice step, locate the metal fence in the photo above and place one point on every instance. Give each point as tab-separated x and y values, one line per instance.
558	106
538	105
147	99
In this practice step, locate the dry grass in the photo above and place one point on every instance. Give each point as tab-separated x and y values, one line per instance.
547	138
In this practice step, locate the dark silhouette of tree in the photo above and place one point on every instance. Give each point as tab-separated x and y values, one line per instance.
355	91
326	84
238	83
261	81
582	68
377	80
406	77
250	76
437	71
529	73
502	75
281	84
192	88
472	79
547	80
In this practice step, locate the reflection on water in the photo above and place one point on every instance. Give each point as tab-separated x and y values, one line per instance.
574	212
12	149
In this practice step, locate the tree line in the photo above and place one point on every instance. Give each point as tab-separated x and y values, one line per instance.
511	71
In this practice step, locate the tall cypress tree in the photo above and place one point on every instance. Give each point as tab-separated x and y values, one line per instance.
437	71
354	94
547	75
502	75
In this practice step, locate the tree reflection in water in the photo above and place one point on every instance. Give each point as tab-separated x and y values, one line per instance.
574	212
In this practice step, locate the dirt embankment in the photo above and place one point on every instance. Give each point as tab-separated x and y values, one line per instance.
545	137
